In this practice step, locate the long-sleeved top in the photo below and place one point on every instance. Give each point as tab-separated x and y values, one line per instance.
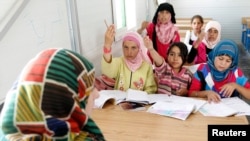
204	80
169	81
190	38
161	48
198	55
141	79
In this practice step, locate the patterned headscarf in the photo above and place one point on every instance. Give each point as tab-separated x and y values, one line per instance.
228	47
133	65
49	99
217	26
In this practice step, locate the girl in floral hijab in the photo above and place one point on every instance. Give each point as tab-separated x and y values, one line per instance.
220	77
52	100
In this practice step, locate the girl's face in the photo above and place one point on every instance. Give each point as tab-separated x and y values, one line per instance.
174	58
222	62
130	50
212	34
164	16
91	101
196	25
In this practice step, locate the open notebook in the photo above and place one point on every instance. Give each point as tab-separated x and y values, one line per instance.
172	109
226	107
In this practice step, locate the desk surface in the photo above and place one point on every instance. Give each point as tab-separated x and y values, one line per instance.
119	125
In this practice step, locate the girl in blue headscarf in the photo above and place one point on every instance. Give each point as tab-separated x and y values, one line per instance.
220	77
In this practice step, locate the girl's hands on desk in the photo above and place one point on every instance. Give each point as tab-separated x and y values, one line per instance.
212	96
228	89
182	92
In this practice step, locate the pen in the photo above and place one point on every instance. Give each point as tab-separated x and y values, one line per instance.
106	23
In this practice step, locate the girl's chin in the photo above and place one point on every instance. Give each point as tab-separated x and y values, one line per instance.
175	66
165	22
221	70
130	59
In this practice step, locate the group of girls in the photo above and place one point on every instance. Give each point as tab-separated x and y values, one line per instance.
217	59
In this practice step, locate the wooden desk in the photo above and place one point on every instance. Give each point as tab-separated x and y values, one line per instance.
119	125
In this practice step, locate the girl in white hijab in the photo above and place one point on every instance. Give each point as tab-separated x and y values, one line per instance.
204	44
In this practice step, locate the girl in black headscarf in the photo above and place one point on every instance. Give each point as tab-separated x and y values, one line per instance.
162	30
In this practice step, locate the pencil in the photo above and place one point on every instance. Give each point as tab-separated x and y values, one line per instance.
106	23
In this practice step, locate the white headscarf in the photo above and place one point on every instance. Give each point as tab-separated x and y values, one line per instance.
217	26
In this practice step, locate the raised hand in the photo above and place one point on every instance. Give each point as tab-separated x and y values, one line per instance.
199	39
148	43
109	36
144	24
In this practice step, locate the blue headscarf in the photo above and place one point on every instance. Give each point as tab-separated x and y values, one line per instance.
228	47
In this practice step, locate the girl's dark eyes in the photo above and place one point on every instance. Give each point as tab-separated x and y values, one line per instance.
126	47
173	54
227	60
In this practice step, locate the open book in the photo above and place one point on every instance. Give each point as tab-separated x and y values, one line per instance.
226	107
198	103
137	96
109	97
140	97
242	107
172	109
117	97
